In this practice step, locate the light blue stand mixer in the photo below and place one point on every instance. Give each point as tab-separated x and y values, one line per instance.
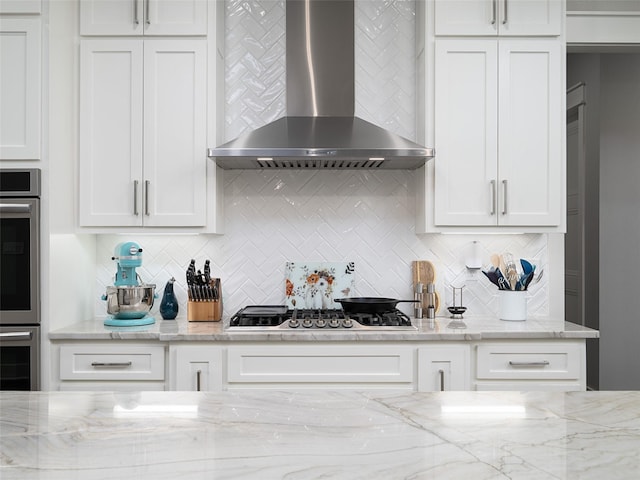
129	300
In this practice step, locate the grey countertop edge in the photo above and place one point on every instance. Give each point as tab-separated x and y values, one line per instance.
182	330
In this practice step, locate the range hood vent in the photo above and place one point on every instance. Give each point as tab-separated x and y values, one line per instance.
320	129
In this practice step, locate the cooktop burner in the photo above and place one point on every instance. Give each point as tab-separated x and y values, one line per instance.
277	317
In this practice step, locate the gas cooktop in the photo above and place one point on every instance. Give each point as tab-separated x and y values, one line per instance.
279	317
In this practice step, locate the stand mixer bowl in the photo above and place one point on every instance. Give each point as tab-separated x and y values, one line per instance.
130	302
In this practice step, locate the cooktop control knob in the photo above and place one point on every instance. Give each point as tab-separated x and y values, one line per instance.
294	323
347	323
321	323
334	322
307	323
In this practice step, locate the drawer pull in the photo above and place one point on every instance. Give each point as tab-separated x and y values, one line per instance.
441	374
543	363
110	364
198	377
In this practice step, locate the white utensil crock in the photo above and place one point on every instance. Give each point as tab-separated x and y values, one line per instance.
513	305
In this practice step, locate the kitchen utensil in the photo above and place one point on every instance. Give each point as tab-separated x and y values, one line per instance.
510	270
527	267
418	296
495	260
369	304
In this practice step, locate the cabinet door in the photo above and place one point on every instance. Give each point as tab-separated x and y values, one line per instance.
20	85
143	17
175	17
20	6
175	132
498	17
111	17
466	109
111	132
443	368
196	368
529	17
531	158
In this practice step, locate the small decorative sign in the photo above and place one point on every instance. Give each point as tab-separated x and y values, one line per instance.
316	284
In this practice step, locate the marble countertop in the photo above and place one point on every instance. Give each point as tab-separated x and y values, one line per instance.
319	434
478	328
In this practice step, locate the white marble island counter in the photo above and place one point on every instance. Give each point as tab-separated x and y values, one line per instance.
319	434
478	328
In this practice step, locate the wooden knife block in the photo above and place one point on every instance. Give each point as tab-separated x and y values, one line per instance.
204	311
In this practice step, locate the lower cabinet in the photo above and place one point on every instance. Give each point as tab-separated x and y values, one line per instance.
112	366
320	366
422	366
195	367
443	367
525	365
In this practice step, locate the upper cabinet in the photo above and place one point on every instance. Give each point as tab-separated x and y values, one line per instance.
21	6
20	86
498	17
498	135
143	132
143	17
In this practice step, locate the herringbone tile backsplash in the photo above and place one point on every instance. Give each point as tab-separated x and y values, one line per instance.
289	215
363	216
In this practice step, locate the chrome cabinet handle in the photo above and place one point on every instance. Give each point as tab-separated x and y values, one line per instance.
441	373
504	20
543	363
14	208
494	6
198	377
111	364
15	336
135	198
146	197
504	198
136	20
493	197
146	13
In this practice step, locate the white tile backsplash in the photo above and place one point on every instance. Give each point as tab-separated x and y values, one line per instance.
289	215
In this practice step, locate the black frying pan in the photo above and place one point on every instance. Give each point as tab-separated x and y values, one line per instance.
369	304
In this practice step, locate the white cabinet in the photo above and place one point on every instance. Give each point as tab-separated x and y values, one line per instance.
443	367
21	6
111	366
196	367
519	365
498	17
20	88
143	132
143	17
320	366
498	132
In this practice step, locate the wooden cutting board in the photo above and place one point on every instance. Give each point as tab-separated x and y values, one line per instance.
424	272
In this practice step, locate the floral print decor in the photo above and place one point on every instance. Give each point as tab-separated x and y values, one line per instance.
315	285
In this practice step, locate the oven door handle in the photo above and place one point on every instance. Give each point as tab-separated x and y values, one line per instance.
15	336
15	208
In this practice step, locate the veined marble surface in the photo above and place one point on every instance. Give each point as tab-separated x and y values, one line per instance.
319	434
478	328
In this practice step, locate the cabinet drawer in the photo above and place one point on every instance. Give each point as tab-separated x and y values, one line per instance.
318	364
526	361
121	362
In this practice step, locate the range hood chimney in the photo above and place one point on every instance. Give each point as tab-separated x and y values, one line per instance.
320	129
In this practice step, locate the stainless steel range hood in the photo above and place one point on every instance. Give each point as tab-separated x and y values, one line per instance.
320	129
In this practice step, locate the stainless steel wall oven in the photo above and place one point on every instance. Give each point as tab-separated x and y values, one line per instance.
19	279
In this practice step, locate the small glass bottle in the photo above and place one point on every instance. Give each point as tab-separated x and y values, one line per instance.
431	300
